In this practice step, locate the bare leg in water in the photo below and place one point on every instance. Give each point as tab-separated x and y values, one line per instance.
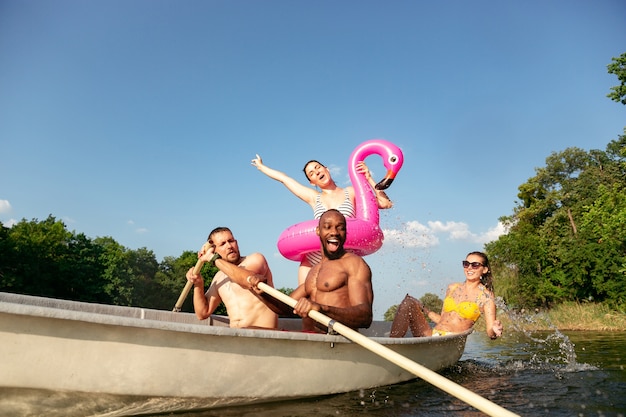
410	315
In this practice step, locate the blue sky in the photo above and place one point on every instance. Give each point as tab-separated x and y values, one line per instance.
138	119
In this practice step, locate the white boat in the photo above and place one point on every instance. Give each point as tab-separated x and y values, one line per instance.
66	358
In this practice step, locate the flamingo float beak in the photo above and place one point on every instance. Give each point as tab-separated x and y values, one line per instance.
386	182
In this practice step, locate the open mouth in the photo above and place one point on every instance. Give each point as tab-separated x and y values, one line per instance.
332	244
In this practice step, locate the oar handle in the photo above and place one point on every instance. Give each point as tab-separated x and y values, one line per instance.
415	368
189	285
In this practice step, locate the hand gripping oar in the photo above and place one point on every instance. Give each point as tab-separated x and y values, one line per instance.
415	368
188	285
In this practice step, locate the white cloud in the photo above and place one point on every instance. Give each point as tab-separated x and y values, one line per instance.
5	206
335	171
494	233
415	234
455	230
138	230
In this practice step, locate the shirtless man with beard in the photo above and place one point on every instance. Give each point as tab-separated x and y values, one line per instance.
340	286
244	303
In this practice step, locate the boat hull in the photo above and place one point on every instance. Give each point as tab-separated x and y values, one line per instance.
109	360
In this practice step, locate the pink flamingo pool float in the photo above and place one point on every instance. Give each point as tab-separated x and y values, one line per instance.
364	235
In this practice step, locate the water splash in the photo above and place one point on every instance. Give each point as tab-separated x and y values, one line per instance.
548	349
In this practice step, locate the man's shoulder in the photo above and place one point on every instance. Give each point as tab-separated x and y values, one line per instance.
356	263
255	262
353	257
253	257
255	254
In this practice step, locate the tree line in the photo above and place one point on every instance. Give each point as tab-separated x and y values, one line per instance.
566	238
44	258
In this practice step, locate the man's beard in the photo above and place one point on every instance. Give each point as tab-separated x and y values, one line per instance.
334	255
236	257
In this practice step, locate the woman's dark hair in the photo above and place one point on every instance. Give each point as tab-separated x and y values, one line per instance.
486	279
307	164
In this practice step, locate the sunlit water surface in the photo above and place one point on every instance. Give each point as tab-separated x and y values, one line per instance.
530	374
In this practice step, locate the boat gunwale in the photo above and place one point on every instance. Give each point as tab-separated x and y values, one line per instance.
26	305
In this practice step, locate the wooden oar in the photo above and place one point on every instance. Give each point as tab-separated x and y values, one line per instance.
188	285
421	371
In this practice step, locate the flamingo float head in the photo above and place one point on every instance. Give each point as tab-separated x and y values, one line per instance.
366	204
393	163
391	154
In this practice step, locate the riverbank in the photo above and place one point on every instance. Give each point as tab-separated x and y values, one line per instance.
569	316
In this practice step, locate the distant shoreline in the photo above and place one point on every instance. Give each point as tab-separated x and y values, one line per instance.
568	316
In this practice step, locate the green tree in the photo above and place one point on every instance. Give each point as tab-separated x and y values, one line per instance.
171	281
286	290
80	271
390	314
8	260
117	276
144	266
618	67
35	247
603	226
553	252
430	300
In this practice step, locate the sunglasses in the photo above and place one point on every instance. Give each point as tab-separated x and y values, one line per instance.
474	265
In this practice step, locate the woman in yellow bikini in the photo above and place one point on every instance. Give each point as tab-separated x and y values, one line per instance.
463	305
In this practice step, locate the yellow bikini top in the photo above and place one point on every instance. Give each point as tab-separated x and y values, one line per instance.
466	309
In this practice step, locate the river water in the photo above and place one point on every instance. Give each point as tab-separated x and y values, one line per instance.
531	374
